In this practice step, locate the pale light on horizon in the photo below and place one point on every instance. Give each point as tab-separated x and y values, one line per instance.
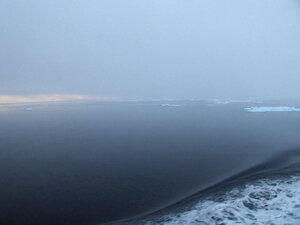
7	99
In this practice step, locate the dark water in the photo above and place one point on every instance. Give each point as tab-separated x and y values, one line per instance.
73	164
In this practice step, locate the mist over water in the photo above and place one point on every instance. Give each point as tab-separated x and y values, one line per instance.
151	49
149	112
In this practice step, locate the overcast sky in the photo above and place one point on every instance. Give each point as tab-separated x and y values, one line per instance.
150	49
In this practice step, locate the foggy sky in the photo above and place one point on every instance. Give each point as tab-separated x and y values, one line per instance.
142	49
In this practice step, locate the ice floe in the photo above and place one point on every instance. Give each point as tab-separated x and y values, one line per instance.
169	105
273	109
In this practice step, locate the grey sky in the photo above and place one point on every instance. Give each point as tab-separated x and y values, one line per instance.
151	49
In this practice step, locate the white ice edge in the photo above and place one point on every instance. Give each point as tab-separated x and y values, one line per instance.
169	105
273	109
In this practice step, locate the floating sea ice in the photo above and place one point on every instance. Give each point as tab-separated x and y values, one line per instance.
170	105
225	102
219	102
273	109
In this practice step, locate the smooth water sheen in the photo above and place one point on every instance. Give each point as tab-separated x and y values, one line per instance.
94	163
